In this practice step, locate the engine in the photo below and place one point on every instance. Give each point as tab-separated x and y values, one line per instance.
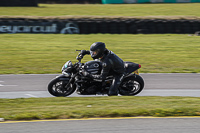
85	86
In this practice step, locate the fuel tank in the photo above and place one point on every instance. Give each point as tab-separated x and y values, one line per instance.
93	67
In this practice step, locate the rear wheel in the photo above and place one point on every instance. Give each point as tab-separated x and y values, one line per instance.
131	85
58	88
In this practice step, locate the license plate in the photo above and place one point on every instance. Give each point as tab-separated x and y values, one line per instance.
136	72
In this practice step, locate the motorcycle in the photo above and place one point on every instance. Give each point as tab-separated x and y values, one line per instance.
73	79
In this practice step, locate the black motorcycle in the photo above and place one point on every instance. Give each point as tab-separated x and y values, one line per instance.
73	79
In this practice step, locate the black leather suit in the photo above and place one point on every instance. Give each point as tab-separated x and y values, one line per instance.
111	65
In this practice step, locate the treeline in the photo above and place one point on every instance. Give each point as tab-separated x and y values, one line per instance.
18	3
70	1
21	3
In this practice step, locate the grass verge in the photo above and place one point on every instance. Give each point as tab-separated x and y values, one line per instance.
97	107
46	53
180	10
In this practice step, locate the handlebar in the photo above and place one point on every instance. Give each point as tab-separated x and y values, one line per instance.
79	58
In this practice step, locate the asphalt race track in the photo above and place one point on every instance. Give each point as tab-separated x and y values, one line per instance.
131	125
35	85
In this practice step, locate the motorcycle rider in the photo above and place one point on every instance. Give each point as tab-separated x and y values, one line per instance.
111	64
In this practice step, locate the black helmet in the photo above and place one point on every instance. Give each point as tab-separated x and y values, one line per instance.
97	50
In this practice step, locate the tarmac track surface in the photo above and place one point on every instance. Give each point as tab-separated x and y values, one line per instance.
121	125
35	85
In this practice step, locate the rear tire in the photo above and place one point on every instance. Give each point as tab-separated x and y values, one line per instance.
131	85
55	88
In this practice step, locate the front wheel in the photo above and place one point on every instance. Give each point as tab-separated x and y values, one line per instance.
131	85
57	87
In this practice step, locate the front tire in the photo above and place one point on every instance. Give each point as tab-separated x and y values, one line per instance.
56	88
131	85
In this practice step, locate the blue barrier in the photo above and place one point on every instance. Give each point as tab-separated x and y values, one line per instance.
147	1
96	26
112	1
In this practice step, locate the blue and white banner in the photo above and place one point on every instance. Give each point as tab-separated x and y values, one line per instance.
39	27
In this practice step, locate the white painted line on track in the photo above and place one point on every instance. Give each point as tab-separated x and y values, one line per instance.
30	95
8	85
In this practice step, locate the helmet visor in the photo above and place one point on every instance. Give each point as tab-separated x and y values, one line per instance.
93	53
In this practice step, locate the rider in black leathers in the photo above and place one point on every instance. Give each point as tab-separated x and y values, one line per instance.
111	64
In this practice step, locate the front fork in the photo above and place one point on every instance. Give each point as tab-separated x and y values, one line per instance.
66	81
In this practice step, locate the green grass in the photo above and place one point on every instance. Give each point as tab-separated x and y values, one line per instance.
90	107
46	53
181	10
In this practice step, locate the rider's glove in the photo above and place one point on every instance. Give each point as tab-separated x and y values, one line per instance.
79	57
84	52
